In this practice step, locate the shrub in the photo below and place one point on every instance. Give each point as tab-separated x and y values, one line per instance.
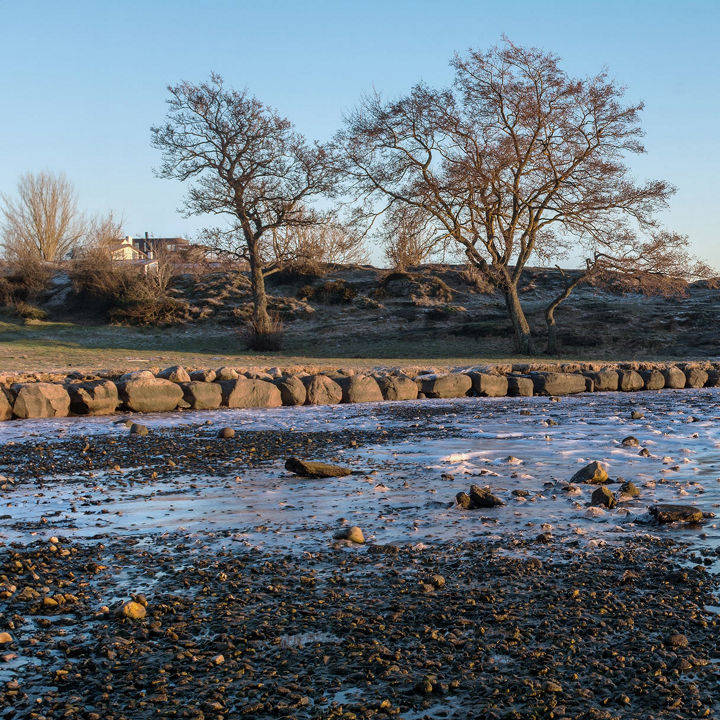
476	280
28	311
334	292
265	340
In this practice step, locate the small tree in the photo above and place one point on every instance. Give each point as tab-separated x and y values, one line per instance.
43	224
517	160
245	162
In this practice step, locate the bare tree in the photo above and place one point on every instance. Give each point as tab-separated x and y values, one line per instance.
410	237
43	223
245	162
517	160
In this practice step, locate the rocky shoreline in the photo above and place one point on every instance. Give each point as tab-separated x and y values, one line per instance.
41	395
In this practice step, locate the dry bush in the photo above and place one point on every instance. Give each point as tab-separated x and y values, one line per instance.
332	292
26	278
28	311
265	340
476	280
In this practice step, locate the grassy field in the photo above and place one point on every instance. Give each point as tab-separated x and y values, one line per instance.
54	346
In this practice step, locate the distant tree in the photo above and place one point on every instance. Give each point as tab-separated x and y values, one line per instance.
517	160
43	223
409	237
245	162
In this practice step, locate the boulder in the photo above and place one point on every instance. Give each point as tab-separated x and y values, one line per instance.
444	386
245	393
695	377
604	380
594	474
226	433
653	379
138	429
463	500
93	398
489	384
311	468
321	390
398	387
226	373
359	389
676	513
713	378
203	375
520	386
352	534
552	383
674	378
40	400
483	498
176	374
153	394
6	405
630	381
201	395
292	390
602	497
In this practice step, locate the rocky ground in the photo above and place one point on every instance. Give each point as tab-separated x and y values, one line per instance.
196	623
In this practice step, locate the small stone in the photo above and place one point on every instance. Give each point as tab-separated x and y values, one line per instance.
629	488
218	660
644	453
678	640
483	498
594	473
463	500
552	687
310	468
630	441
438	581
138	429
133	610
226	433
5	638
636	415
602	497
352	534
520	493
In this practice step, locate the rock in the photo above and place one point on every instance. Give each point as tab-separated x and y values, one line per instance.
136	375
552	383
713	378
226	433
245	393
6	405
676	513
311	468
93	398
444	386
40	400
292	390
653	379
226	373
176	374
397	387
604	380
630	381
695	377
359	389
321	390
593	474
674	378
483	498
152	394
201	395
138	429
637	415
519	386
602	497
133	610
488	384
352	534
678	640
463	500
203	375
630	489
5	638
630	441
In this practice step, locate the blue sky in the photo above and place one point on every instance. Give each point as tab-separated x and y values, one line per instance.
83	81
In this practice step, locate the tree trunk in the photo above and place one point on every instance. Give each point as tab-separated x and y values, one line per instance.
523	337
260	318
552	337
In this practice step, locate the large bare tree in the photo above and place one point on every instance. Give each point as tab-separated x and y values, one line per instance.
245	162
517	160
43	223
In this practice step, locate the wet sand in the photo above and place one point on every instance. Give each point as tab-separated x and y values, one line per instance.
540	608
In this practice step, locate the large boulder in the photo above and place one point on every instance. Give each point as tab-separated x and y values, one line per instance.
674	378
677	513
604	380
594	474
553	383
321	390
203	375
99	397
653	379
489	384
713	378
246	393
359	389
520	386
40	400
292	390
202	395
143	394
398	387
630	381
483	498
444	386
6	405
695	377
176	374
226	373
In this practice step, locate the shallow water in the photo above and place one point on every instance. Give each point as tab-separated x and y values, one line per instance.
398	492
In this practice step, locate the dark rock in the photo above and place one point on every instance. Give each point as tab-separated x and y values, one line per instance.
637	415
226	433
676	513
630	381
310	468
603	497
463	500
674	378
630	441
5	405
653	379
695	377
594	474
629	488
483	498
138	429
